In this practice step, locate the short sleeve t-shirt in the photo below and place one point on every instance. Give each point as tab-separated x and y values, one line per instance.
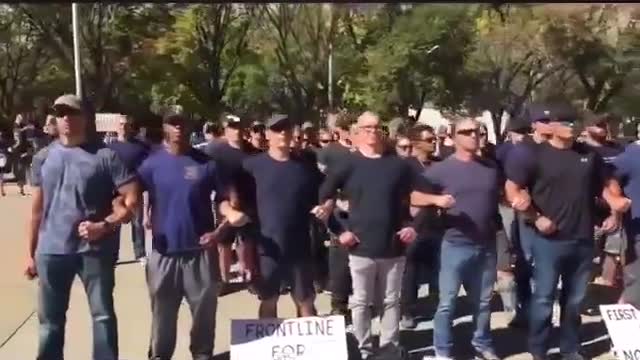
131	152
627	167
564	184
77	184
230	159
473	217
180	188
286	192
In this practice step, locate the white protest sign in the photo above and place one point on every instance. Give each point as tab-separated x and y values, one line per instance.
309	338
623	324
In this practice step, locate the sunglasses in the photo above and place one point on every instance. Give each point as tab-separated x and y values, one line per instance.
63	111
258	128
429	140
325	141
467	132
404	147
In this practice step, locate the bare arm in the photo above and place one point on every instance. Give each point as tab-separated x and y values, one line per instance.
34	223
124	206
420	199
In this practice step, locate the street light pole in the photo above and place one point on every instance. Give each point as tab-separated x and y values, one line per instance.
76	49
330	77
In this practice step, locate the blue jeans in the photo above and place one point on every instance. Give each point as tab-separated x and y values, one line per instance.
473	266
523	243
572	260
56	274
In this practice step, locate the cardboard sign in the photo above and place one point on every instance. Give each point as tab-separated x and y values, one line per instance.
309	338
623	324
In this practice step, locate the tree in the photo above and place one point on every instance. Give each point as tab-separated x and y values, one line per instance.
22	55
420	58
509	61
111	35
296	39
204	50
597	43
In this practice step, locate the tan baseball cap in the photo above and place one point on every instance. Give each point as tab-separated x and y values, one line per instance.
68	100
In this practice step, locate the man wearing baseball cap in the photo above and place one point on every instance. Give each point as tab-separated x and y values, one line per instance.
286	192
229	155
72	229
561	211
183	264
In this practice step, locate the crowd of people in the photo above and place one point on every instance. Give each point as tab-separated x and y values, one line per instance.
360	210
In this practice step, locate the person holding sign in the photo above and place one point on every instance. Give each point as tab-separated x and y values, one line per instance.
286	191
183	263
378	229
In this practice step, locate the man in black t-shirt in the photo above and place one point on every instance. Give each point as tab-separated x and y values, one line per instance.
422	253
378	228
286	191
562	211
230	154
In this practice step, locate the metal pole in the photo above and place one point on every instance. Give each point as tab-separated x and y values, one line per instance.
76	49
331	77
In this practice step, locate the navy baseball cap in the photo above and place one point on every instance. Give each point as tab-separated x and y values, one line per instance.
278	120
561	112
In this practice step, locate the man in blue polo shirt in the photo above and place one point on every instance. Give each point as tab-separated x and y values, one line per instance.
72	229
179	180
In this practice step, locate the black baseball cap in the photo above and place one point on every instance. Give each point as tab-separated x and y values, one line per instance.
278	120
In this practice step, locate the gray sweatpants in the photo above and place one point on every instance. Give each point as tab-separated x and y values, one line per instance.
195	277
375	279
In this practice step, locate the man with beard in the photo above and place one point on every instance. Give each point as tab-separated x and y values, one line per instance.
230	155
562	211
286	191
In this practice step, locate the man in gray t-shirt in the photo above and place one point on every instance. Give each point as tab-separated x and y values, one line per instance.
72	232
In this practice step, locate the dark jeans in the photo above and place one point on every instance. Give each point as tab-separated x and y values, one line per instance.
571	260
473	266
422	254
523	237
56	274
339	277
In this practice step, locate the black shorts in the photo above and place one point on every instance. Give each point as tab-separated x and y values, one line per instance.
249	232
275	272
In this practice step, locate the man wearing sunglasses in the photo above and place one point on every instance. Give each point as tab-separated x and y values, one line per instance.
562	213
468	250
257	136
403	146
424	252
72	229
183	264
132	152
286	191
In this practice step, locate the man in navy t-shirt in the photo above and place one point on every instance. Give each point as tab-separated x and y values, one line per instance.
179	180
468	251
286	192
132	152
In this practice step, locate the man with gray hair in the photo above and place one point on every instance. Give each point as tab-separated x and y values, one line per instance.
72	229
378	228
